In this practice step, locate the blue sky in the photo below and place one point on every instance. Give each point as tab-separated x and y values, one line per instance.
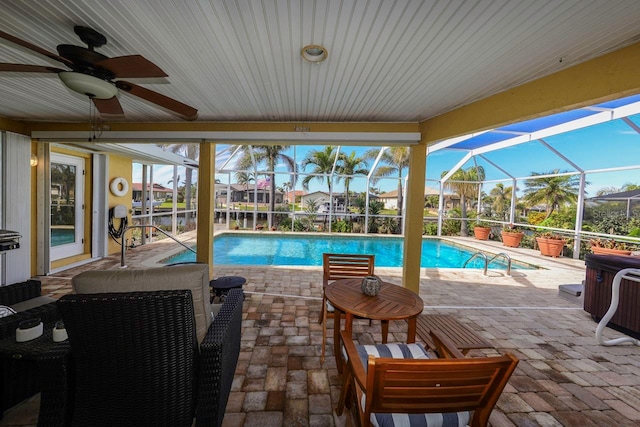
607	145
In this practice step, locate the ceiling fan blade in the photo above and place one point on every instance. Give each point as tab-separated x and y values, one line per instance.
109	106
131	66
34	48
189	113
25	68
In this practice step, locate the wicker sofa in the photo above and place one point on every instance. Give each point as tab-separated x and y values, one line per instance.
216	356
20	378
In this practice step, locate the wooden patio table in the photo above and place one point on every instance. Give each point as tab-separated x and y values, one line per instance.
392	303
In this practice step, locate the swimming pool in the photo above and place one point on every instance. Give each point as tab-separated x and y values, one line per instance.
305	249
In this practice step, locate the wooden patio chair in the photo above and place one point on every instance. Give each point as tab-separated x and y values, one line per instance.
407	388
340	266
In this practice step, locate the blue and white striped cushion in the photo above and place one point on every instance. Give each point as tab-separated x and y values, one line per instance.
408	351
394	351
451	419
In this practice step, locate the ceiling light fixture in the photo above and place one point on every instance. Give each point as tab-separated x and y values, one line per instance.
88	85
314	53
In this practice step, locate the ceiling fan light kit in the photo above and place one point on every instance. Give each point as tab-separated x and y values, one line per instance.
94	74
88	85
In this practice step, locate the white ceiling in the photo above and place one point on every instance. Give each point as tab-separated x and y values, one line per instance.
240	60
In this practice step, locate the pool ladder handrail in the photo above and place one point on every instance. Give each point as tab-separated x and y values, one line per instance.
123	245
489	261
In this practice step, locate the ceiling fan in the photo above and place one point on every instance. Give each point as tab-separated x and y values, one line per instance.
92	73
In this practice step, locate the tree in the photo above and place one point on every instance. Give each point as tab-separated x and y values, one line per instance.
607	190
464	182
552	190
244	179
322	161
501	199
286	188
190	151
351	165
395	160
268	155
630	187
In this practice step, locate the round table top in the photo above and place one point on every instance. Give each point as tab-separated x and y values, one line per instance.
392	303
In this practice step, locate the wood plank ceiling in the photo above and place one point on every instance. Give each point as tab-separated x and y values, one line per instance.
403	60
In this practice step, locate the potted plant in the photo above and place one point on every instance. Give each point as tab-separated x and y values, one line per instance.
550	244
511	236
235	225
481	230
610	247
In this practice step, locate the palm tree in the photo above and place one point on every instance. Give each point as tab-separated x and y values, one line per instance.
244	179
323	161
501	199
553	191
269	155
190	151
464	182
351	165
395	160
286	188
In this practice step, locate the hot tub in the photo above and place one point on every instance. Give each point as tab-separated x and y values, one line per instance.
601	269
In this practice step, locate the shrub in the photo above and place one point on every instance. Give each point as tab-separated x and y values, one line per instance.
430	229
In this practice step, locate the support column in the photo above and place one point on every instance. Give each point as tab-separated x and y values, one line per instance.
206	184
413	225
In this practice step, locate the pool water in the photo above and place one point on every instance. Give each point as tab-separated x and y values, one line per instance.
289	249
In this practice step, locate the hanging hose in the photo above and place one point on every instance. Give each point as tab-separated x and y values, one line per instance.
116	234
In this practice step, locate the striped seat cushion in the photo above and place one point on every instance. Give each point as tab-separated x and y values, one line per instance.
407	351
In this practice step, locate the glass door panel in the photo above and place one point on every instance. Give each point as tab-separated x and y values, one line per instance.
67	210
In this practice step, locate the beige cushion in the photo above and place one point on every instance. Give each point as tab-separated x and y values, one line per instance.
191	276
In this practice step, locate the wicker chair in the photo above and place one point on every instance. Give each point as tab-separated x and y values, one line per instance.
20	378
134	360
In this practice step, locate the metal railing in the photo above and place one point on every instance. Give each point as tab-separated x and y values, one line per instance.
124	246
489	261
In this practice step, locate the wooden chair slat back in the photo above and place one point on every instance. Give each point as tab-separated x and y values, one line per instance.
437	385
346	266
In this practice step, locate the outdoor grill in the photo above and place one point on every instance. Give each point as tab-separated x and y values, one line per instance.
9	240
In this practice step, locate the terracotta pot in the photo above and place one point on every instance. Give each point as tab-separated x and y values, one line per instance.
606	251
481	233
550	247
511	239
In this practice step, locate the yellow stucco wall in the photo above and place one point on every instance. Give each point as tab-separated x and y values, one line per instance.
119	167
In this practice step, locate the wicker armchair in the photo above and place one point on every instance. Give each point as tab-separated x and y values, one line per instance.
134	360
20	378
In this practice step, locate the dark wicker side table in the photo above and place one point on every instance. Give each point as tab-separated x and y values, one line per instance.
20	365
220	286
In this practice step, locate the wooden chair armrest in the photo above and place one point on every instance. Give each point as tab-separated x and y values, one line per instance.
444	346
354	359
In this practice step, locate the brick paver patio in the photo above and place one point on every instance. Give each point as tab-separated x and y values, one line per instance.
564	378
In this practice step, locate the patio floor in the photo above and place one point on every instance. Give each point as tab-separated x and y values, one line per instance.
564	378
